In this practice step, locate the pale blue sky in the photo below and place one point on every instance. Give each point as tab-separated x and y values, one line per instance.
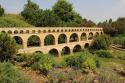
96	10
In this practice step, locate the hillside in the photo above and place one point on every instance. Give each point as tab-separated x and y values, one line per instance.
13	20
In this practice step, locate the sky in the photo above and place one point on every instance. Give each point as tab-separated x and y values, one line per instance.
95	10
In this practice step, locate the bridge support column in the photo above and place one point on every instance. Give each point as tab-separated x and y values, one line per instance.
24	45
56	41
71	51
60	54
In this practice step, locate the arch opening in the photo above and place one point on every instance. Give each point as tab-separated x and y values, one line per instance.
86	45
96	34
90	37
54	52
19	41
15	32
65	51
62	39
74	38
83	37
38	52
49	40
33	41
101	33
77	48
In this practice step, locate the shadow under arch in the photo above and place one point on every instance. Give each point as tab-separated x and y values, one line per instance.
77	48
65	51
54	52
62	39
49	40
83	36
33	41
74	37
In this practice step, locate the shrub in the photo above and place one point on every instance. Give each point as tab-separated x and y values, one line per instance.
22	57
81	60
7	47
61	64
101	42
41	62
104	54
66	76
9	74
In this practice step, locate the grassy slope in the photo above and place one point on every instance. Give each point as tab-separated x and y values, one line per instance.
13	20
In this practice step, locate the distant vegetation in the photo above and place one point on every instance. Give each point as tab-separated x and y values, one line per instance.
12	20
113	28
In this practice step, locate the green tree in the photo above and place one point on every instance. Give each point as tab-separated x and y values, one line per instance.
31	13
7	47
1	11
49	19
64	10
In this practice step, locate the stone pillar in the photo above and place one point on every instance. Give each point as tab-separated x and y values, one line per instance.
24	45
71	51
60	54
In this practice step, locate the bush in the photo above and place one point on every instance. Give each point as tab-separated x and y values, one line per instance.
9	74
7	47
104	54
41	62
81	60
22	57
101	42
61	64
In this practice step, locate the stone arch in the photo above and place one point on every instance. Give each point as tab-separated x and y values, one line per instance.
39	31
74	38
9	32
15	32
77	48
38	52
83	36
27	31
90	36
3	31
54	52
86	45
33	31
96	34
19	41
62	39
65	51
101	33
49	40
21	31
33	41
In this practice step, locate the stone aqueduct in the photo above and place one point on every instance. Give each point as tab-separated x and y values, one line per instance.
75	38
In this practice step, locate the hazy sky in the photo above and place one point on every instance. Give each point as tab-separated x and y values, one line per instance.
96	10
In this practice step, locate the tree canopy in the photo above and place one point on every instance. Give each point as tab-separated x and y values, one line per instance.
113	28
1	11
61	14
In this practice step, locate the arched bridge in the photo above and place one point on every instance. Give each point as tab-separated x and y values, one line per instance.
55	40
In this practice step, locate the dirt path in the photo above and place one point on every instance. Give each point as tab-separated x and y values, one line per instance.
33	75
